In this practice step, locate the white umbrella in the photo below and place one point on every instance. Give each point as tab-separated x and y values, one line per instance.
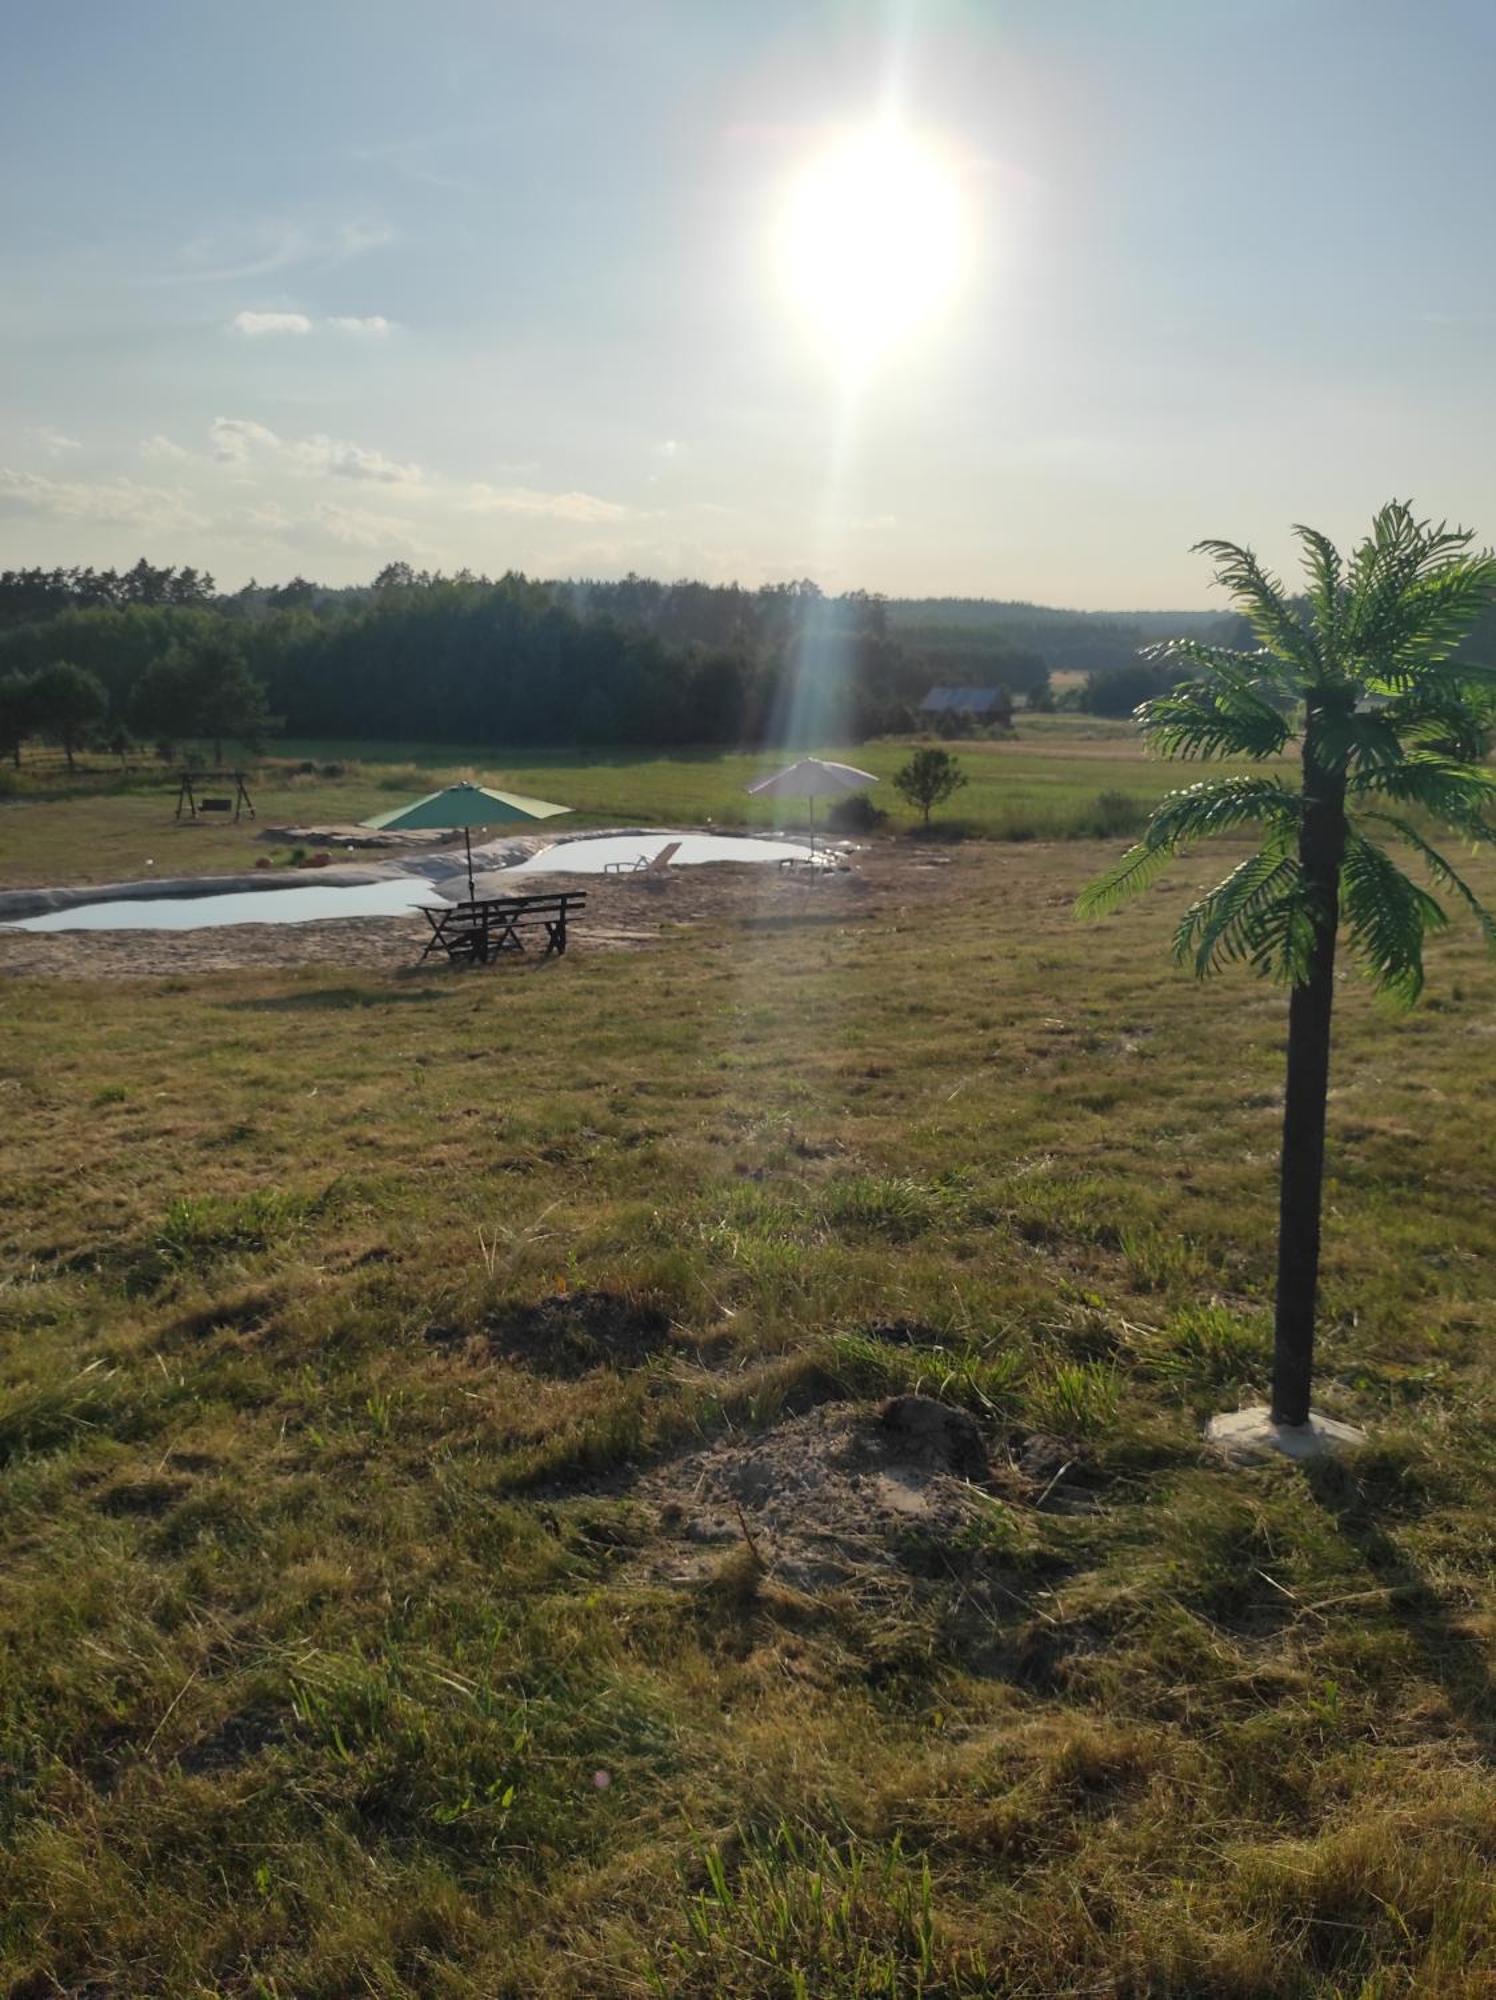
812	778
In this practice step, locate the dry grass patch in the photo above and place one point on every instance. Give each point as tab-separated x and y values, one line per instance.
364	1366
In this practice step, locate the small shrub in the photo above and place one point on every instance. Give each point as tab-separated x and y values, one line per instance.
1078	1399
1209	1345
796	1913
196	1231
887	1205
855	814
1114	813
1156	1261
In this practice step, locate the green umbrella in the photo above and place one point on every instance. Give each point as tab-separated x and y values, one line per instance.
464	806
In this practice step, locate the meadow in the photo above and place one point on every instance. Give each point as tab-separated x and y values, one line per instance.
367	1340
1060	777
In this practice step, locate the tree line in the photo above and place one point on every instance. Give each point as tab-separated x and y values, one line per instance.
158	657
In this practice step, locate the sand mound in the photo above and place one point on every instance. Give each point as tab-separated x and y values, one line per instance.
841	1491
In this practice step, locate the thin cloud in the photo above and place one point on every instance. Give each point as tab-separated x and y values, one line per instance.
238	440
55	443
352	528
111	500
260	325
550	506
352	461
257	325
355	239
232	439
163	450
256	251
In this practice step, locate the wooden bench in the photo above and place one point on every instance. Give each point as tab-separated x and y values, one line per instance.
476	933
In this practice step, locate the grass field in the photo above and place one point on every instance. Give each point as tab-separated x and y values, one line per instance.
361	1336
1047	783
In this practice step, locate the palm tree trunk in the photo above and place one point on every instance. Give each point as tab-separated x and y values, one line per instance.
1301	1173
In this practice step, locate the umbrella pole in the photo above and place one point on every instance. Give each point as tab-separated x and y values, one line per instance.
812	836
467	835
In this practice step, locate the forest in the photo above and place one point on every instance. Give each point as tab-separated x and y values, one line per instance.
160	657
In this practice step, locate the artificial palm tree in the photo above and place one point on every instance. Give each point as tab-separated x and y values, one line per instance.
1360	674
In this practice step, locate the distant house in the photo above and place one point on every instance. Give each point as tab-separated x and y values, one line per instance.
975	704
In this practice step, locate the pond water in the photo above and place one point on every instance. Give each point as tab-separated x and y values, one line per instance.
251	906
593	857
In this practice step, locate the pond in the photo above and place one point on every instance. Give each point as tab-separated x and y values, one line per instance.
396	898
611	850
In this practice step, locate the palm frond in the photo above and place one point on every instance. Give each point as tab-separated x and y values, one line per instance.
1195	813
1263	602
1388	917
1199	811
1440	712
1447	876
1459	794
1231	666
1413	593
1326	588
1384	625
1139	866
1200	720
1259	913
1361	737
1422	626
1450	678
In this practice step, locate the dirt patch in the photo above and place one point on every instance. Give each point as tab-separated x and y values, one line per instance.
841	1492
570	1334
149	1498
903	1333
236	1739
622	914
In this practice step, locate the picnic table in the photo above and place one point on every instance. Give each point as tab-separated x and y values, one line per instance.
477	932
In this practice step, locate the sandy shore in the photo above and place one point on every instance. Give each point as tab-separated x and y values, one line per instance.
623	913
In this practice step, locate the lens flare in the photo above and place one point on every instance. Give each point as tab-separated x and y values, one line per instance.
872	242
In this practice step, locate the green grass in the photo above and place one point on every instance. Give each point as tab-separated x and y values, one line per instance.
323	1606
1062	777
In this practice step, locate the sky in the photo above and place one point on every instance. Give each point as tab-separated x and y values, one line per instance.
314	285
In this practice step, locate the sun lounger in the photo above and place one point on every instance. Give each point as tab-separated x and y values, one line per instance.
646	864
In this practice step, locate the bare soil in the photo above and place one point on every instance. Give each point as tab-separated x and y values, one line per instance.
623	913
842	1493
570	1334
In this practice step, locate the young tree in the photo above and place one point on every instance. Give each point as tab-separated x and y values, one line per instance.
201	689
225	699
159	705
17	713
69	704
929	779
1360	675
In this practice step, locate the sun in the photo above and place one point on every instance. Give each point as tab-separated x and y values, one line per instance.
871	243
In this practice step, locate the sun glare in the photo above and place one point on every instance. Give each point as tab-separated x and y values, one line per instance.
872	242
